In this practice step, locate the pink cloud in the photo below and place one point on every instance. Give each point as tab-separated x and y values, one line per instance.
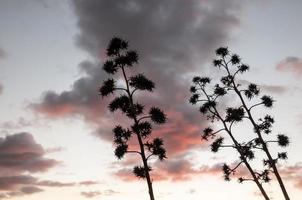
292	65
167	53
293	173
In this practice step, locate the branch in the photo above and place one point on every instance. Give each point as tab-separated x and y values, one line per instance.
144	117
258	104
223	129
248	179
201	100
149	156
270	141
134	152
124	89
233	170
230	127
133	92
232	146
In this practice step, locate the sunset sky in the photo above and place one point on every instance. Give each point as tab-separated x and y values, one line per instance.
51	55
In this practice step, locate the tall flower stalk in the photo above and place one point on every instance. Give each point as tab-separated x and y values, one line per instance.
120	59
232	67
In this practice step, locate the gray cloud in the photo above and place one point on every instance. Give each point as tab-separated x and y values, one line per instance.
20	153
19	123
30	190
277	89
10	182
20	157
3	54
174	38
1	88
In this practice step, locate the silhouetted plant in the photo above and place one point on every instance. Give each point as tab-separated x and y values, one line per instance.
121	58
232	66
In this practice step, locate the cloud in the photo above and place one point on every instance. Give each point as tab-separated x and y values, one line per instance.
20	123
87	183
177	169
3	54
91	194
21	157
293	173
11	182
277	89
20	185
13	186
180	169
23	191
20	153
291	64
54	184
55	149
174	38
30	190
1	88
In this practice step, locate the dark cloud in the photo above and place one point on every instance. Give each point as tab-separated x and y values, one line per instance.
291	64
30	190
173	37
20	185
21	157
23	191
20	153
11	182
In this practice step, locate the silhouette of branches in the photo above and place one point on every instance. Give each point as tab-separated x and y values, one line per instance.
232	66
120	59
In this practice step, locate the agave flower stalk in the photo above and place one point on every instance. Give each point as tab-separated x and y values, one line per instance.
234	115
120	59
227	61
232	66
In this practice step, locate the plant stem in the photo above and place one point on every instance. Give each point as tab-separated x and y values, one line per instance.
140	141
237	145
265	149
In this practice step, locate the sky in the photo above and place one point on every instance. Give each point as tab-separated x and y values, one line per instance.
55	130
